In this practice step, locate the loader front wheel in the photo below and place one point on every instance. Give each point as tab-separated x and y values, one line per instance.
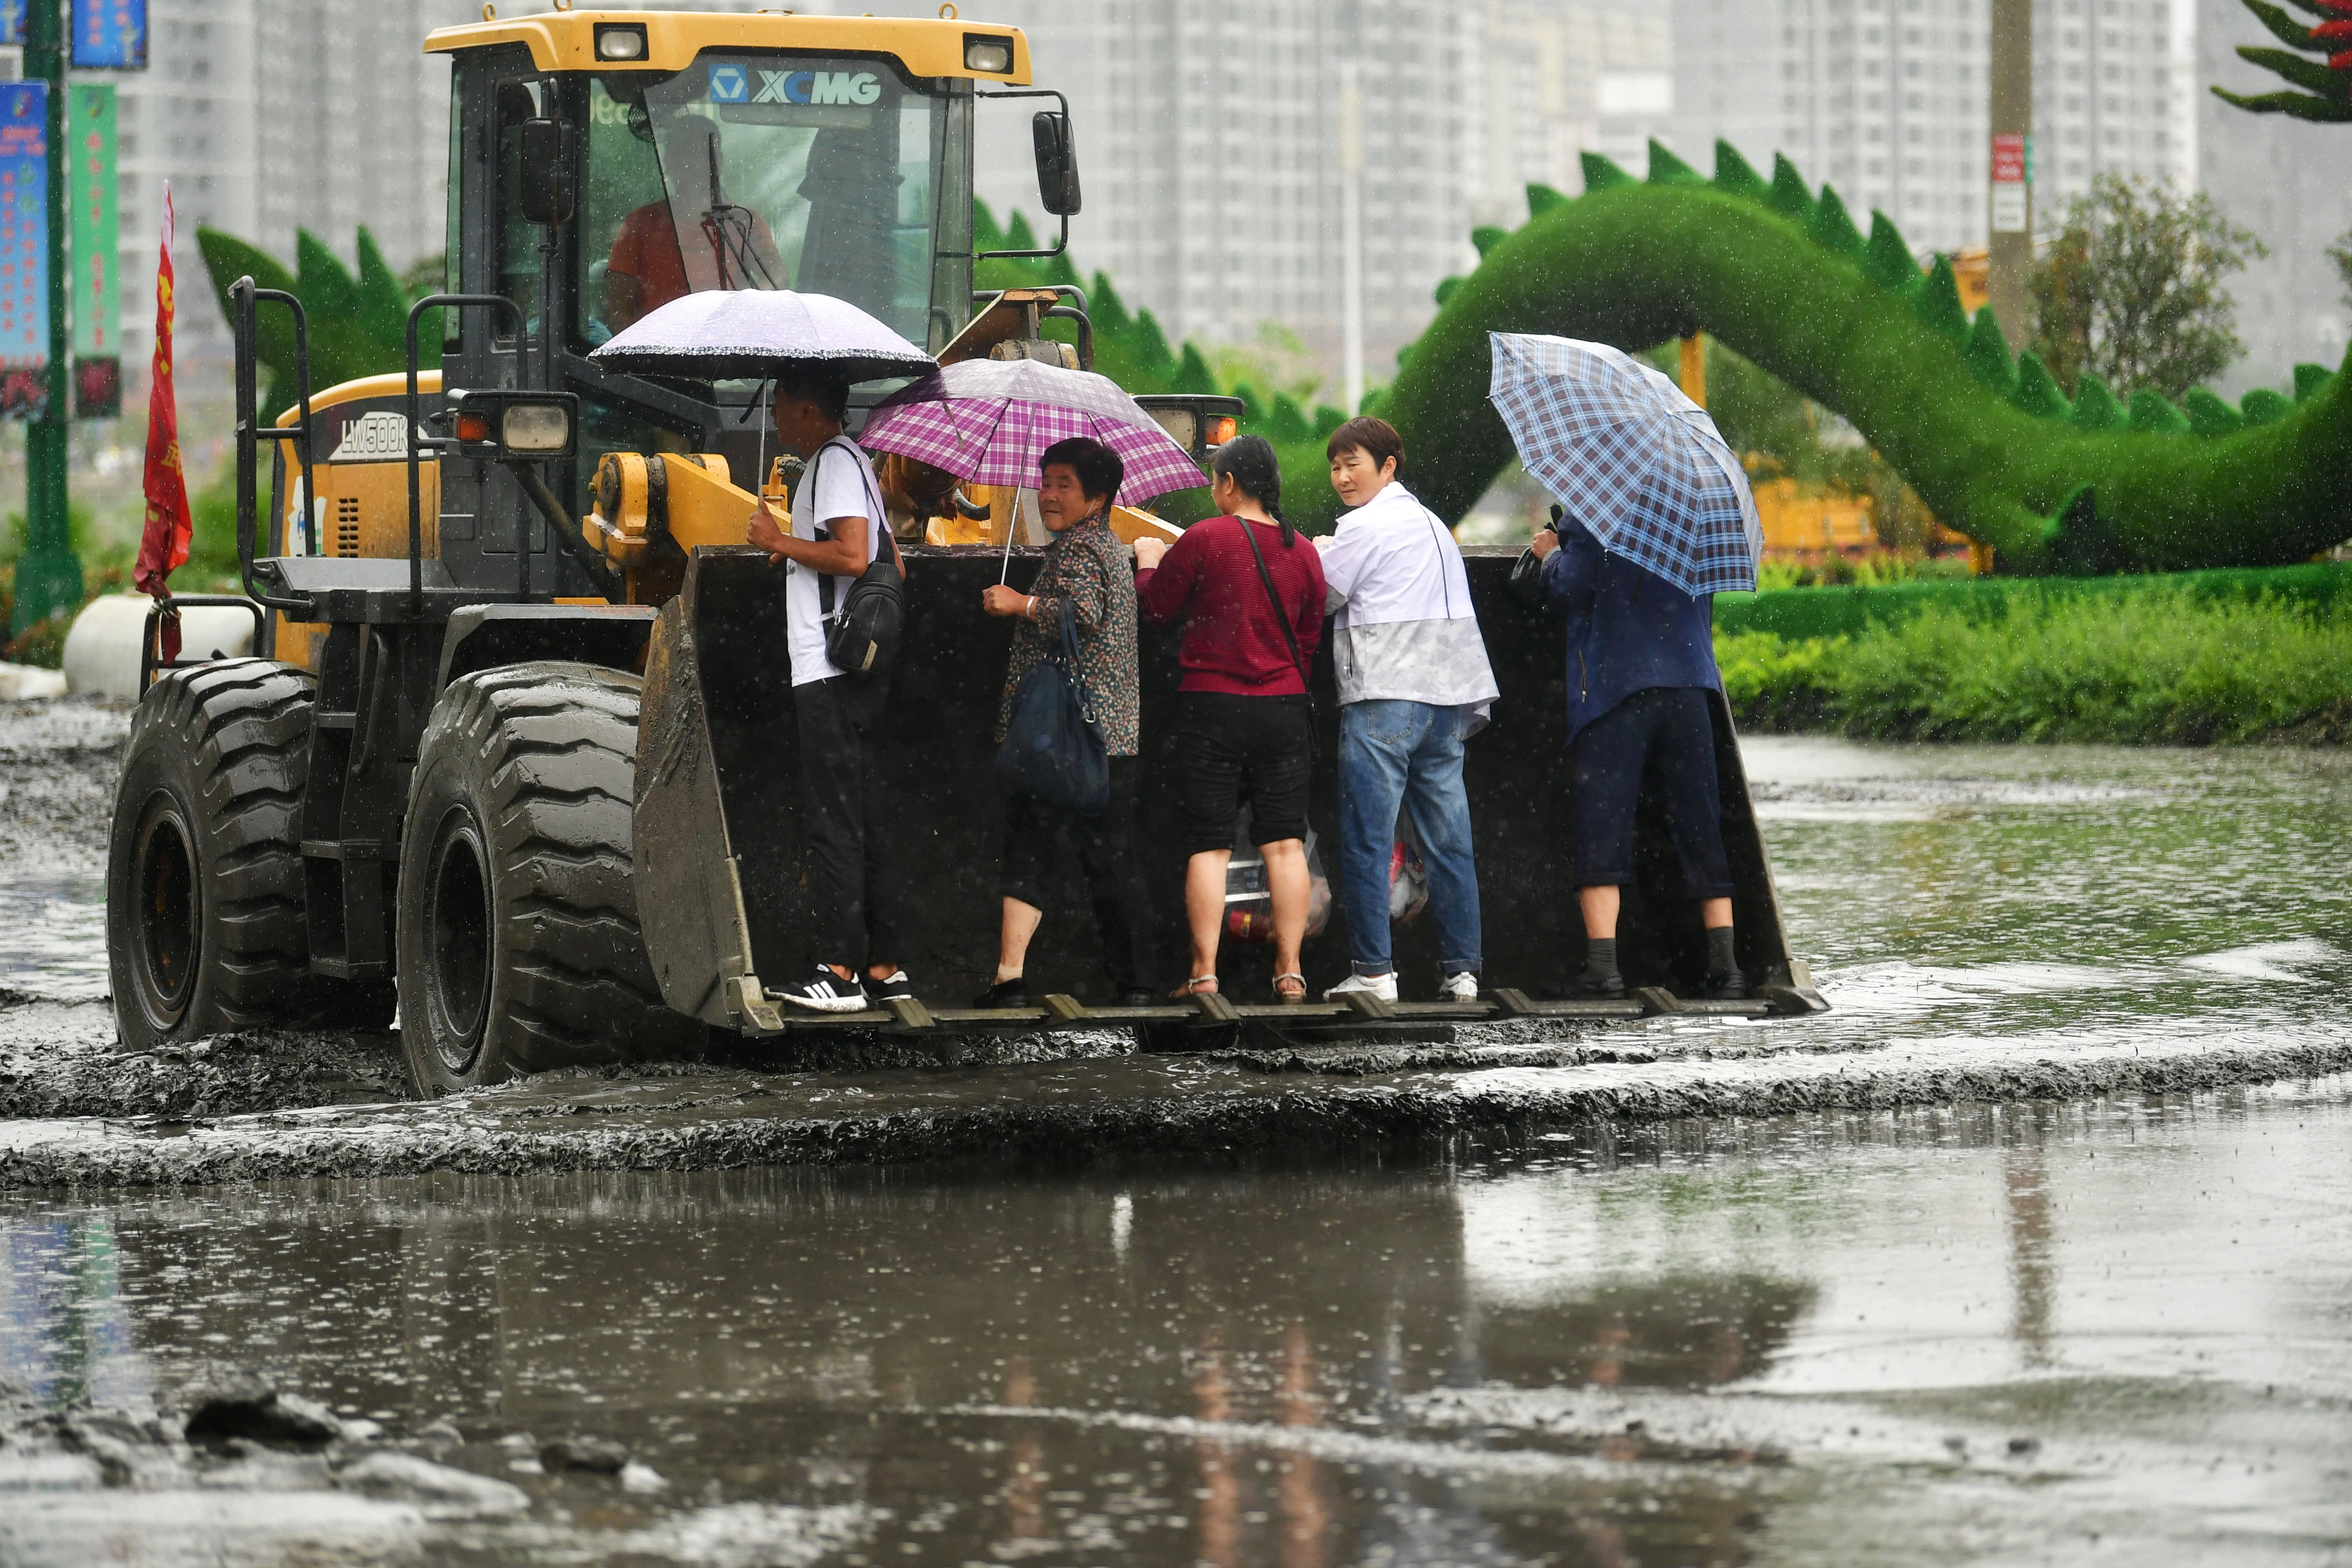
520	949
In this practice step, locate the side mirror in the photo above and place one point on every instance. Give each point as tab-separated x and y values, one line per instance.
1058	164
547	195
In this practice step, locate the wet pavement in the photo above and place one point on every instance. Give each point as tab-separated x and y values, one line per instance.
2034	1251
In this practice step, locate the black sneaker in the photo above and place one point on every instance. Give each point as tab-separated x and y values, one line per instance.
1141	997
1013	993
824	992
897	988
1584	988
1725	985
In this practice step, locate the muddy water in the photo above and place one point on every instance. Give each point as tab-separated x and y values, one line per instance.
2099	1330
2106	1331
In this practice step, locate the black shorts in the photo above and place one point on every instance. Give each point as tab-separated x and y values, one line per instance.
1665	734
1230	749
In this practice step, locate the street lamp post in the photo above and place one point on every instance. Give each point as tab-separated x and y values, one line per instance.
48	574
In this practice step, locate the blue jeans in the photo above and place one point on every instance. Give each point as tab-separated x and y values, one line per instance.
1395	754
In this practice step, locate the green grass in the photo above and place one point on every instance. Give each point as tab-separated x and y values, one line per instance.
1798	613
2159	664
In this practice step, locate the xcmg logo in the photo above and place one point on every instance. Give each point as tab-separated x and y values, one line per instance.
752	84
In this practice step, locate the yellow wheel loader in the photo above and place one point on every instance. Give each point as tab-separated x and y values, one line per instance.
516	752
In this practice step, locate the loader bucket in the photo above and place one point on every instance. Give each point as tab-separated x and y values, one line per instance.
719	843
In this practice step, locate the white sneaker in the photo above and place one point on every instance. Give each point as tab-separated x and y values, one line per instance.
1462	987
824	992
1382	986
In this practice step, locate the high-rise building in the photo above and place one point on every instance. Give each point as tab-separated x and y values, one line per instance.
267	117
2284	180
1886	99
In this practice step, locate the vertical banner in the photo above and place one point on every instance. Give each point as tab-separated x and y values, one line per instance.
109	35
12	23
96	311
24	247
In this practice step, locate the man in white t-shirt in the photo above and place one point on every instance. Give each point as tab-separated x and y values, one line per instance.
858	887
1414	684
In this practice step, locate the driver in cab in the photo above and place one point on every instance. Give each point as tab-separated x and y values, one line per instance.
693	241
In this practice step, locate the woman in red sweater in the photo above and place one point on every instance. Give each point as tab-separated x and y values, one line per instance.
1251	595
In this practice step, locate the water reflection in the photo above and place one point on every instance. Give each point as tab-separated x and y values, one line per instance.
1240	1369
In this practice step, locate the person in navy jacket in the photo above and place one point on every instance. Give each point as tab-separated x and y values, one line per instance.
1641	662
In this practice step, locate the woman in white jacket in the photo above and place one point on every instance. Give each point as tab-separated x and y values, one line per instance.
1414	683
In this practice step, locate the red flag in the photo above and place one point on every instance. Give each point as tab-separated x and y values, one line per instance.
164	544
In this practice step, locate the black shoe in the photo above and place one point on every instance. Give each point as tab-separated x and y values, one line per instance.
1584	988
824	992
1013	993
1725	985
897	988
1141	997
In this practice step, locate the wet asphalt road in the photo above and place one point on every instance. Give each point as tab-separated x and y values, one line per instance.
2035	1250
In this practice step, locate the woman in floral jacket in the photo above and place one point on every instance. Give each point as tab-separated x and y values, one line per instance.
1087	569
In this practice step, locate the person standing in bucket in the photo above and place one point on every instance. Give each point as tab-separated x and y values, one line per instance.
1414	683
1640	665
1089	574
859	887
1251	598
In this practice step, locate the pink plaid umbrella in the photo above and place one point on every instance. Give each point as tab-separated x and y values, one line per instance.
987	422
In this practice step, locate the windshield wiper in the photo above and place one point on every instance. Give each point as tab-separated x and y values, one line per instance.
733	234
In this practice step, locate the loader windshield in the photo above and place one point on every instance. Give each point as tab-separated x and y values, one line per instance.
767	171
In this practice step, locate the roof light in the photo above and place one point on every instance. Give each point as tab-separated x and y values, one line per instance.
620	43
992	53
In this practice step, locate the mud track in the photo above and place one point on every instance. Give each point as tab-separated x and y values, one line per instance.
263	1105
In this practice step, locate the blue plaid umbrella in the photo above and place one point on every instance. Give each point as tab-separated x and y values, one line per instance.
1638	464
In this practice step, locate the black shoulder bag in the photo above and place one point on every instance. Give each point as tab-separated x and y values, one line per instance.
1053	748
1282	619
862	636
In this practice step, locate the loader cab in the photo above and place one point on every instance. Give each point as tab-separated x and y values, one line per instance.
694	152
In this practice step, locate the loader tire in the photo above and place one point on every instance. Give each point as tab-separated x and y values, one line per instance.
204	924
519	942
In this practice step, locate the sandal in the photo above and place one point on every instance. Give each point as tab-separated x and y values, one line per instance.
1199	985
1292	992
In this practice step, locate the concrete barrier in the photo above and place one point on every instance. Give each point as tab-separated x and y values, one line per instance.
101	655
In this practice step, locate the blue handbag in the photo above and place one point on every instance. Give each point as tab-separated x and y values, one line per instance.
1053	750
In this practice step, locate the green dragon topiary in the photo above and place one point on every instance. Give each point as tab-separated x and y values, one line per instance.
1784	275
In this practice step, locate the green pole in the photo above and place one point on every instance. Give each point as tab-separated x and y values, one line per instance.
48	574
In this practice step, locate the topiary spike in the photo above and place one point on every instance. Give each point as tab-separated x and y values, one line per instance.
1193	374
1734	177
1938	302
1988	353
2308	379
2095	407
1666	169
1287	423
1887	262
2152	411
1601	174
1446	289
1485	237
1326	419
2208	416
2037	390
2266	405
1788	195
1542	199
1831	228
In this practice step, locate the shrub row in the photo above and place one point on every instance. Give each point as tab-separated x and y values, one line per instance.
2157	664
1800	613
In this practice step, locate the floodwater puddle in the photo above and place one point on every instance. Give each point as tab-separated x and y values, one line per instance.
1974	1333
